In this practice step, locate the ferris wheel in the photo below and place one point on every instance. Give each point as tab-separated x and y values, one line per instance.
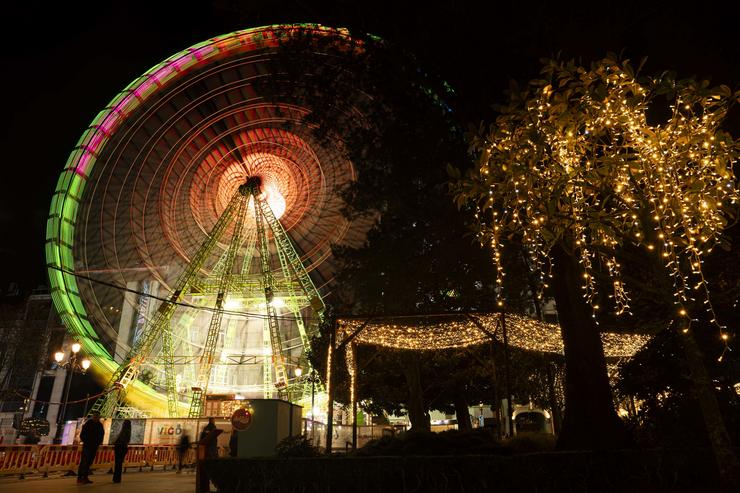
190	233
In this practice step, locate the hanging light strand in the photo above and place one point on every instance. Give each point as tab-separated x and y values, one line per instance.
580	163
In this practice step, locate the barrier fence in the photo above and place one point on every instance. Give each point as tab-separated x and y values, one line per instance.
43	459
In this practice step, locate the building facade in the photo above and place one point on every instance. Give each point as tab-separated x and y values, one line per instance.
31	383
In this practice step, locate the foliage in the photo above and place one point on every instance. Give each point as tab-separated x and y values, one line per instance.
296	446
582	159
532	375
658	379
653	470
400	132
454	442
397	124
530	442
451	442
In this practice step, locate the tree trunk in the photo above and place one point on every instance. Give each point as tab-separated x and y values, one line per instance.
590	421
554	407
461	411
418	414
727	462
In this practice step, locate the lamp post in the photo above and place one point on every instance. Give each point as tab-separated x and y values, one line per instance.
72	365
298	372
312	377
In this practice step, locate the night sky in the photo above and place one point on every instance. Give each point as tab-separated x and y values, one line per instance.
64	63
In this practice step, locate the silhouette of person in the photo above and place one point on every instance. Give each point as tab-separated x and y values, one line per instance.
209	438
182	449
120	447
91	436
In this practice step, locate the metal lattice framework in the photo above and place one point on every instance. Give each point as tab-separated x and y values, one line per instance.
158	263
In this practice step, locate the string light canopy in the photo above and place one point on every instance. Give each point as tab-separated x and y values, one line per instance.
436	332
450	331
577	161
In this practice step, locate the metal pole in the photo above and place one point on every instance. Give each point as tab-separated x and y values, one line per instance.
313	418
72	366
330	393
67	384
354	419
496	401
507	376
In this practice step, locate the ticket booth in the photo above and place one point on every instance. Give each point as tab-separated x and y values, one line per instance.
263	423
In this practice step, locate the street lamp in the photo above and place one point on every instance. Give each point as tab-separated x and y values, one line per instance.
72	365
313	378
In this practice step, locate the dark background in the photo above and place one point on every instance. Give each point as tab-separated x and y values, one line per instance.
64	62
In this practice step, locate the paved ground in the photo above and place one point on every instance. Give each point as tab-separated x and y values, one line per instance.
139	482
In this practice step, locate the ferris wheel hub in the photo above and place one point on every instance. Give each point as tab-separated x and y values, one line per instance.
124	212
252	185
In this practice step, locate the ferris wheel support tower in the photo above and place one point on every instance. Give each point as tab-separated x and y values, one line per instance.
159	328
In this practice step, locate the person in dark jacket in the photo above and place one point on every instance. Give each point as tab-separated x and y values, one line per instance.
209	438
234	443
91	437
120	447
182	450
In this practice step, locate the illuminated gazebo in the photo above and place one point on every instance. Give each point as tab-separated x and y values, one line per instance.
453	331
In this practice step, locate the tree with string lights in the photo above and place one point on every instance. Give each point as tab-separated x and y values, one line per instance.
581	165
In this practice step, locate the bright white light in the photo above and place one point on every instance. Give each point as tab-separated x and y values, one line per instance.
85	364
298	371
276	201
76	347
267	351
232	304
275	303
58	356
239	397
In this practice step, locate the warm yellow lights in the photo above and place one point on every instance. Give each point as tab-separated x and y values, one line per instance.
76	347
437	332
579	150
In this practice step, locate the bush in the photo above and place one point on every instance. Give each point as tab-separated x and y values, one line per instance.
549	472
296	446
530	442
451	442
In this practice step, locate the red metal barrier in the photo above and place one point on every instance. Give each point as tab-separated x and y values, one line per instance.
18	459
27	459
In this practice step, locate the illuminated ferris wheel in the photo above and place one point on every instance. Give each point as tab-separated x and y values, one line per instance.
189	239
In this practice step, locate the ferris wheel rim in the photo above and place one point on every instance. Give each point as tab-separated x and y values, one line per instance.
69	192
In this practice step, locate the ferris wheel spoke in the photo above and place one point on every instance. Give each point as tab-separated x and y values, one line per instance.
206	362
149	184
129	369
